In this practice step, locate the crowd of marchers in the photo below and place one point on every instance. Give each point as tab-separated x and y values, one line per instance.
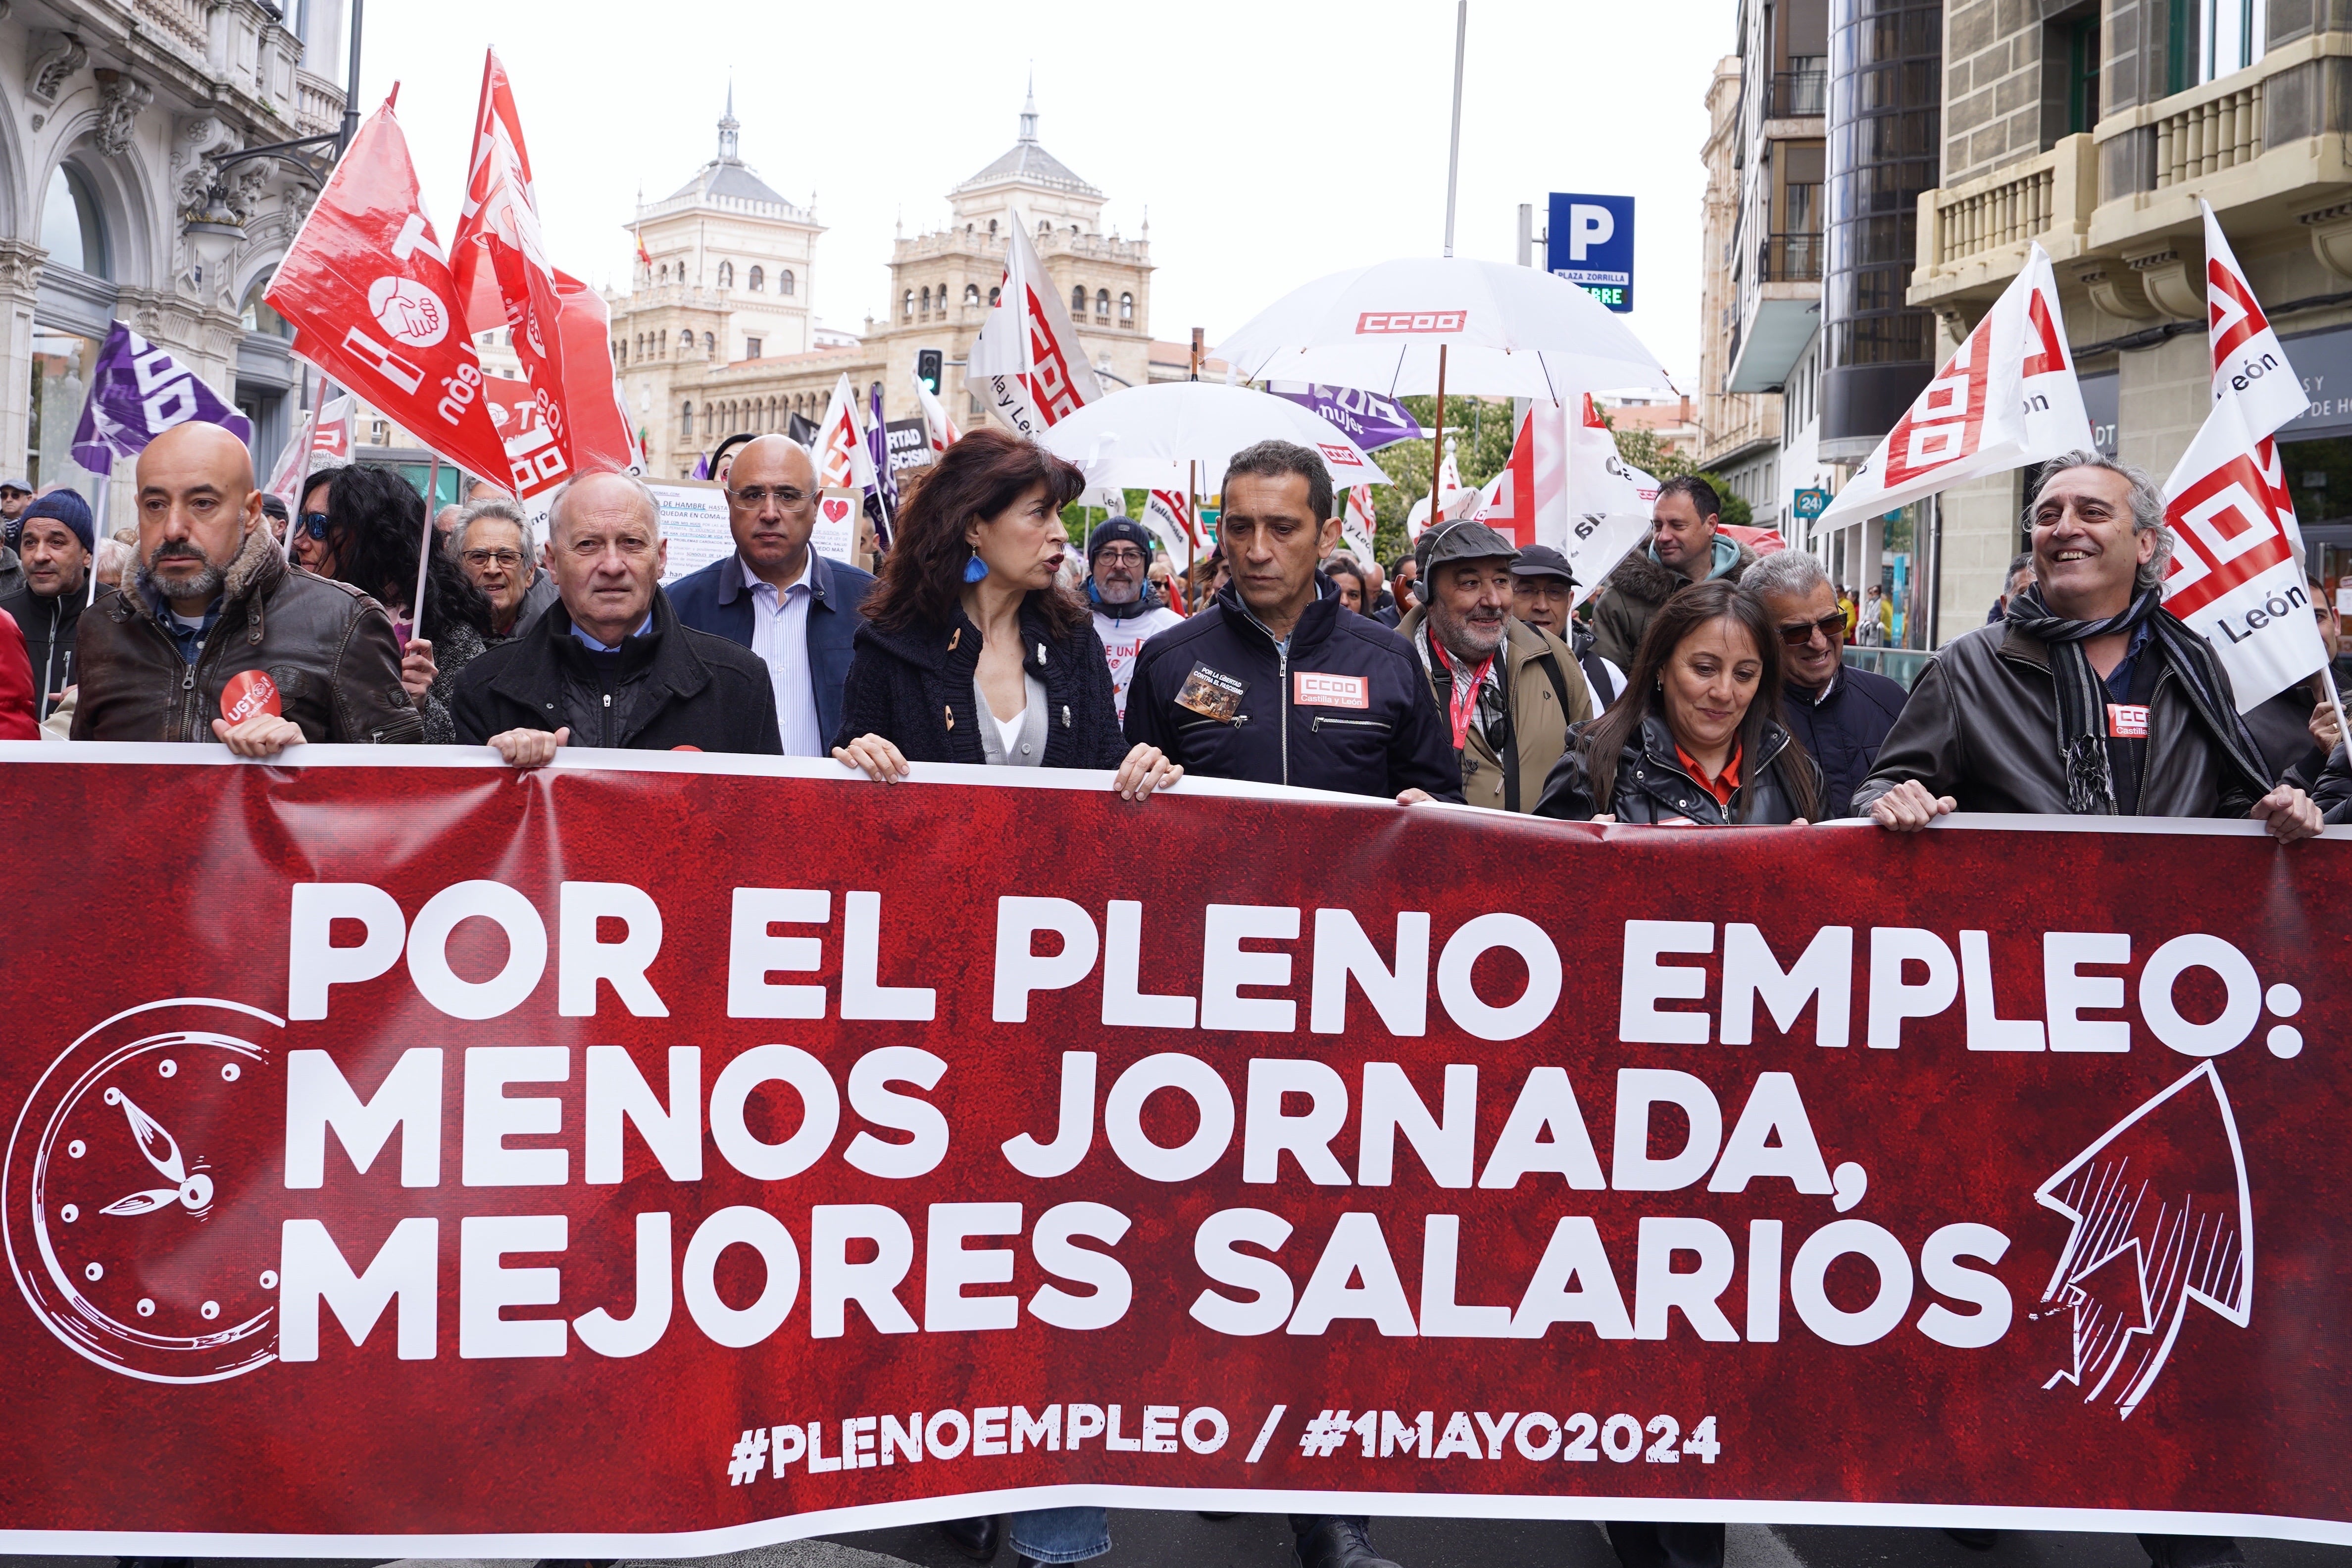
1702	686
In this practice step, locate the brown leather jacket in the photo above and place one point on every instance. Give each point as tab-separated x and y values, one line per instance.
1544	702
327	647
1982	726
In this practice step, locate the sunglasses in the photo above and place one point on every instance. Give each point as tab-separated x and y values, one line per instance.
1831	626
314	523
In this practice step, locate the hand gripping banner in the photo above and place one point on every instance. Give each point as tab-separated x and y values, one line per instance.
663	1155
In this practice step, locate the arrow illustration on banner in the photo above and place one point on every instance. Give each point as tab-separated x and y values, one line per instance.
2162	1217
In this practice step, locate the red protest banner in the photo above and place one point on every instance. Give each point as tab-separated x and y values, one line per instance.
706	1151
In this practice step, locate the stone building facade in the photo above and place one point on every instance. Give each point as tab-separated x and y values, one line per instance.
113	114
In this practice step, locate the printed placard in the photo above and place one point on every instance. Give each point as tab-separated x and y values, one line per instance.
1212	693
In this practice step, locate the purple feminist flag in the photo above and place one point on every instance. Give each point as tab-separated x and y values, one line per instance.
137	392
1371	420
882	495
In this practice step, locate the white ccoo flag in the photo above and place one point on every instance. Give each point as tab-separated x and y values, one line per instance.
1358	526
939	430
842	460
2248	359
1168	514
1027	364
2007	398
2233	577
1607	515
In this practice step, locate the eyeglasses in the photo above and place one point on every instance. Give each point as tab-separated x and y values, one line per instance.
753	498
510	559
314	523
1118	556
1831	626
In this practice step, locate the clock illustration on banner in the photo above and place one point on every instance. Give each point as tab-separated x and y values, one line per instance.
131	1187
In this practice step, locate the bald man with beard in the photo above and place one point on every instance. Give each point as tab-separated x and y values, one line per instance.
216	638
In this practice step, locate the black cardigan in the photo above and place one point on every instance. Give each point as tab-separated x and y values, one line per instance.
913	687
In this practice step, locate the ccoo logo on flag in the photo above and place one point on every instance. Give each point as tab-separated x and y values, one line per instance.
1411	321
2225	535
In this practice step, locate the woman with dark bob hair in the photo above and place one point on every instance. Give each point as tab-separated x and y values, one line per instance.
1695	740
376	526
972	653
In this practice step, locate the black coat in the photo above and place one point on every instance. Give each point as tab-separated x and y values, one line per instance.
2280	727
49	626
913	687
672	687
1372	728
1842	731
2331	790
1651	786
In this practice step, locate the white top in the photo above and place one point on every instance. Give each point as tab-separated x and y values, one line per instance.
1009	730
780	640
1123	640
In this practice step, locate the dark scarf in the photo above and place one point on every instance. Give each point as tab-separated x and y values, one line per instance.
2082	696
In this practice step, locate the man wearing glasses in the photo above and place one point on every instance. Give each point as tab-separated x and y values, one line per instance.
493	544
1840	715
1127	611
795	610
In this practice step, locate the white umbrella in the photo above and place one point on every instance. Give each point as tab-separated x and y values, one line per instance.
1420	324
1151	437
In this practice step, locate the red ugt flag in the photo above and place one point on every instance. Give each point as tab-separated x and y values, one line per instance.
373	304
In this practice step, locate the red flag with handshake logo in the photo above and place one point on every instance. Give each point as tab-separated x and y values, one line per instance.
373	304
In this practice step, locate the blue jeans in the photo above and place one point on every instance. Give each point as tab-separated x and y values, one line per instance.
1060	1534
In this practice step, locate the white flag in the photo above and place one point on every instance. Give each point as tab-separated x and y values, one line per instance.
2007	398
842	460
1027	364
2233	577
1358	526
1168	515
2247	355
1458	500
938	429
1607	512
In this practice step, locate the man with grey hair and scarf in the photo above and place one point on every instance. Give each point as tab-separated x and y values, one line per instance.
1838	714
2089	698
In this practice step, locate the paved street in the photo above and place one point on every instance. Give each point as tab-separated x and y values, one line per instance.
1263	1541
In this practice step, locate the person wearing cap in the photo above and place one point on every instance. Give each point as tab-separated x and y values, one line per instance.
1543	594
1508	690
1127	611
1272	682
55	547
776	595
1841	715
14	496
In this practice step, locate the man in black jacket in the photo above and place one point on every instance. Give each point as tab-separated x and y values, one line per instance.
1840	715
1275	682
609	664
55	545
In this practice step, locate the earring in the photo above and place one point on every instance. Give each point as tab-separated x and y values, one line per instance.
974	569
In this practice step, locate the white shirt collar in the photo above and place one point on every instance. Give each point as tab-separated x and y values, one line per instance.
808	570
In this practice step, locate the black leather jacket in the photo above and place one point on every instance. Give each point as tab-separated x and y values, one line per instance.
1652	786
327	647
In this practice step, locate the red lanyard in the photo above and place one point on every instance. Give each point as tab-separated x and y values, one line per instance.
1464	698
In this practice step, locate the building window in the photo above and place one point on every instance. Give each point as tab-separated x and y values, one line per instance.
726	275
992	229
907	306
785	285
751	348
686	342
686	419
2211	38
971	293
1102	303
758	280
709	345
1078	300
926	298
620	353
257	315
1126	308
992	294
71	231
662	276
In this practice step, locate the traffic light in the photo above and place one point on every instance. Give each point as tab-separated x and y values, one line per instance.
928	366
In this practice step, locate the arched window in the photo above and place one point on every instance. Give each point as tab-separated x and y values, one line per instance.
686	340
993	295
709	345
992	229
1102	303
686	419
758	280
726	275
926	298
908	307
70	228
943	295
662	277
971	293
257	315
1127	308
786	286
1078	300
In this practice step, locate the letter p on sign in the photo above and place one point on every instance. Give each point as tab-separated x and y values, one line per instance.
1588	226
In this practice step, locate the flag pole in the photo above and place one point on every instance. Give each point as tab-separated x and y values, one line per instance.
97	537
425	551
1454	154
1437	441
2327	679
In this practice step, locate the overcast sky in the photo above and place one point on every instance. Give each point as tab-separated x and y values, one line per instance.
1273	141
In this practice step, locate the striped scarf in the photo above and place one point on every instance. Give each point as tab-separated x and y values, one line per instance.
2082	696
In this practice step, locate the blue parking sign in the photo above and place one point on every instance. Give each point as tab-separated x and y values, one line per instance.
1592	245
